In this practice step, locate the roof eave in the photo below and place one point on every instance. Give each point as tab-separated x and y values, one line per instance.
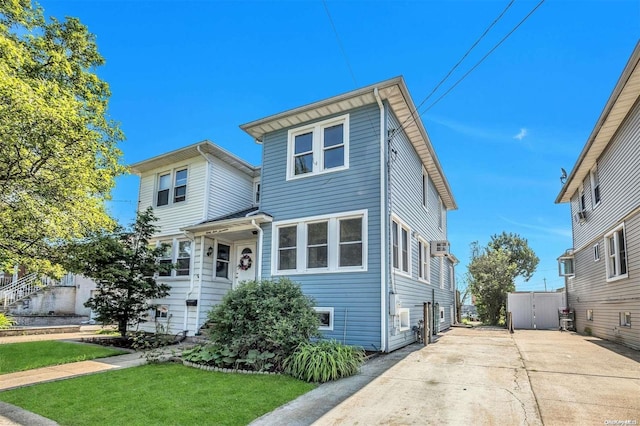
623	97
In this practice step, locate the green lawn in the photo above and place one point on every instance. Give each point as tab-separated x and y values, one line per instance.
158	394
30	355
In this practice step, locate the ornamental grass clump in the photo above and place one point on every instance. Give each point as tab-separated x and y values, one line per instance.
323	361
6	322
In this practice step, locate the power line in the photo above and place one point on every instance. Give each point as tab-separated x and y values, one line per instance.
484	57
344	53
486	31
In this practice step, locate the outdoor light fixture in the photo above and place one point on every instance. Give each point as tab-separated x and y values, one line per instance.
209	251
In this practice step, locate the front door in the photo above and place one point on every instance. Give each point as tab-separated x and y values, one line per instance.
245	267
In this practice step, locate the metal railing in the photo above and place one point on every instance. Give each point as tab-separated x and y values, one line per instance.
23	288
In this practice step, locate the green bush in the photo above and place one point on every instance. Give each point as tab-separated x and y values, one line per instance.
263	317
323	361
6	322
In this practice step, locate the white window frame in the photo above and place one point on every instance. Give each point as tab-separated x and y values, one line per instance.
615	257
172	255
257	188
442	220
330	312
452	277
424	260
216	260
442	315
161	313
172	186
442	273
589	314
317	151
425	189
625	319
333	244
404	316
594	178
582	201
400	226
596	252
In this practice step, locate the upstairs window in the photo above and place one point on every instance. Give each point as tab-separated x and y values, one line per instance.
318	148
616	254
441	214
425	189
171	183
595	187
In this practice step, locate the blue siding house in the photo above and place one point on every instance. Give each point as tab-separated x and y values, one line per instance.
357	204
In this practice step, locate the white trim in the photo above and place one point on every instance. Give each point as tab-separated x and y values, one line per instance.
615	257
333	243
425	189
442	221
401	226
404	316
172	186
442	314
442	273
384	245
596	252
424	253
330	311
625	319
594	172
317	135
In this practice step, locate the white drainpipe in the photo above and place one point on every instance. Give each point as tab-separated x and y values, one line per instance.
258	249
383	231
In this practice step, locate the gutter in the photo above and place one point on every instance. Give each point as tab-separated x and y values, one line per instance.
383	227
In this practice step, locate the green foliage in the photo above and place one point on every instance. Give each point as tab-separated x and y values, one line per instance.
264	316
158	394
124	266
59	155
221	356
323	361
6	322
492	273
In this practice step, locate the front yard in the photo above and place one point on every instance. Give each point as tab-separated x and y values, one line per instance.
158	394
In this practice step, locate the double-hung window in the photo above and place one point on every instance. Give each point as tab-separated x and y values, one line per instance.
441	214
178	254
171	183
223	256
330	243
595	187
401	246
318	148
424	260
425	189
616	253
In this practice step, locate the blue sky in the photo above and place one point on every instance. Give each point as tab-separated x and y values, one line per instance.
181	72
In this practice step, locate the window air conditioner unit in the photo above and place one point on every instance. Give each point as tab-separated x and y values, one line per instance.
580	216
440	248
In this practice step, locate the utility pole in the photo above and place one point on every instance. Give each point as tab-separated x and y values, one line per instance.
545	284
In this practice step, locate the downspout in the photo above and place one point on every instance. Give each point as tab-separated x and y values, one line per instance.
191	283
258	249
205	207
383	228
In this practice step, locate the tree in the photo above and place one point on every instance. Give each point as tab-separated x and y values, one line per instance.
493	270
124	266
58	148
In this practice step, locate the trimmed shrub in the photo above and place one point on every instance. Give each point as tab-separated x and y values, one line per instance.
323	361
260	318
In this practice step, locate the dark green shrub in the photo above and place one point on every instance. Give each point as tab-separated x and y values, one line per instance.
323	361
259	318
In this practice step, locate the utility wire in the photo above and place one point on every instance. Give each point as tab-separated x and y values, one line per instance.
484	57
495	21
344	53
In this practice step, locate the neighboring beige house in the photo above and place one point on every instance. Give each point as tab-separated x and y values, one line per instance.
602	269
205	199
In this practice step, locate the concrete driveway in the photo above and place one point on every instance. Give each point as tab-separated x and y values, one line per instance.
488	376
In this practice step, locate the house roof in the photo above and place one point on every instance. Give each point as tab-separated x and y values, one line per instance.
241	218
395	92
182	154
622	99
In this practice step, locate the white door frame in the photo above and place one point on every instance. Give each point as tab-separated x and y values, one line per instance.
251	273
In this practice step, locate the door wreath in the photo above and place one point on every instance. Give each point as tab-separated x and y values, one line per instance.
245	262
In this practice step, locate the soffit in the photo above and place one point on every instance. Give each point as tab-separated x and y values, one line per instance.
395	92
184	154
623	98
